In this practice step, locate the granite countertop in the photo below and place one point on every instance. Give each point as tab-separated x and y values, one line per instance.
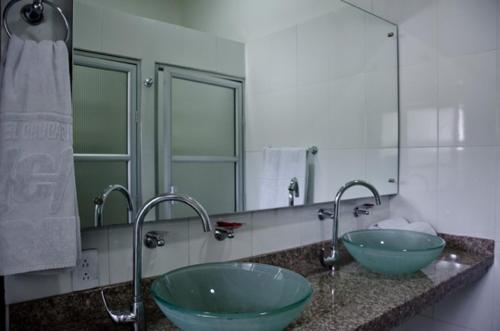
352	298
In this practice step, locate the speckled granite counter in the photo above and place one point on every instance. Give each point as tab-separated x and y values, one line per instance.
351	299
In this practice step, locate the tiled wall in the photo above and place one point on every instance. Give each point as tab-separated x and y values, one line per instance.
329	82
263	232
450	155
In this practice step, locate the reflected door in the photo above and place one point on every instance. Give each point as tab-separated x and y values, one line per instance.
201	141
104	107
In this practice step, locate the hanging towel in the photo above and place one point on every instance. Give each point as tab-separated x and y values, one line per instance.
39	223
280	166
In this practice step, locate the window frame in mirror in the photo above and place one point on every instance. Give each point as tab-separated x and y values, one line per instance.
132	157
165	74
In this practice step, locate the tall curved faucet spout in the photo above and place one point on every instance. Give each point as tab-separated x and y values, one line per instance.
100	201
136	316
330	260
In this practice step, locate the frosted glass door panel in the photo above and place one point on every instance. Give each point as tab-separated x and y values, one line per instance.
204	119
100	109
92	177
211	183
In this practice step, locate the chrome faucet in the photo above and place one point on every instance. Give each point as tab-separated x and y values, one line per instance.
293	191
136	315
101	200
330	260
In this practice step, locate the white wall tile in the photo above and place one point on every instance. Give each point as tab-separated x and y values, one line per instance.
382	109
346	124
120	254
380	49
467	26
348	39
253	169
381	167
313	230
468	106
314	50
466	191
271	119
273	61
272	233
334	168
418	105
173	255
417	198
467	35
313	104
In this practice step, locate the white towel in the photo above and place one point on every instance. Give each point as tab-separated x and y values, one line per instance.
401	223
39	224
280	166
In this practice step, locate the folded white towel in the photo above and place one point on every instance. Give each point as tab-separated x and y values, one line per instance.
401	223
39	224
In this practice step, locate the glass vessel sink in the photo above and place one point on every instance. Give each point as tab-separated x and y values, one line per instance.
231	296
393	251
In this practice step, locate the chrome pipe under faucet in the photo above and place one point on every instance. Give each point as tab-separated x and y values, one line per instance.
330	260
136	315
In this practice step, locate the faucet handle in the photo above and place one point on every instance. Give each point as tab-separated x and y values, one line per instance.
226	230
154	239
363	209
118	316
325	213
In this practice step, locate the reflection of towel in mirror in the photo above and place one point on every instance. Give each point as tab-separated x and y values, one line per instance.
39	224
280	166
401	223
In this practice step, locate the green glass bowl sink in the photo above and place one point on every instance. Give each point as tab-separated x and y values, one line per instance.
393	252
231	296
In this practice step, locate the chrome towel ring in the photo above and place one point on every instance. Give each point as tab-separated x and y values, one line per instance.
33	15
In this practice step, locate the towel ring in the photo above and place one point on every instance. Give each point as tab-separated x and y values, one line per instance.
37	17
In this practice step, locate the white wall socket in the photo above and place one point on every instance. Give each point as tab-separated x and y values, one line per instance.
85	275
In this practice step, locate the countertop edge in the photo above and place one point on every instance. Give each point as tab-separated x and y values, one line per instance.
395	316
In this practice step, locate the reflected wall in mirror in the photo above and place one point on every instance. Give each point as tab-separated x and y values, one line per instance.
243	105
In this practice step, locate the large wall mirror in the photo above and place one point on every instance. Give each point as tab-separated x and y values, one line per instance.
242	104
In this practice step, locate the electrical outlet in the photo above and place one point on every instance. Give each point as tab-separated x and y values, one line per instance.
85	274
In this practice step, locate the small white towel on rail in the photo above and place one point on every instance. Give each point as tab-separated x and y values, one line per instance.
280	166
39	223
